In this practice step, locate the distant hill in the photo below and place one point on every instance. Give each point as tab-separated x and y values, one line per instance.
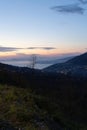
14	75
79	60
76	66
11	68
54	61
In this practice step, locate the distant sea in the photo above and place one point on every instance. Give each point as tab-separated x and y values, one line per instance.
41	62
24	64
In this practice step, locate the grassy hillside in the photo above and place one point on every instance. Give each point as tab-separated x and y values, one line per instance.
62	108
18	107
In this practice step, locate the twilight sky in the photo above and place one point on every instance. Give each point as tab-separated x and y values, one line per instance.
43	27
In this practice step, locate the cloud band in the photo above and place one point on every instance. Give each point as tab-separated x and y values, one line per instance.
73	8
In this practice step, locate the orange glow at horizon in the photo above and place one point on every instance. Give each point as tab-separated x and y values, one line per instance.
49	52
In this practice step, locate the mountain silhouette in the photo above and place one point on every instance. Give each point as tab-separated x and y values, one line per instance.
75	66
79	60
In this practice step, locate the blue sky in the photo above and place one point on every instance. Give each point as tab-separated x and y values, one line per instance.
37	24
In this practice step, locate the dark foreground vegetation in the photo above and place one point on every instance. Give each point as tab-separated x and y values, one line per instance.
34	100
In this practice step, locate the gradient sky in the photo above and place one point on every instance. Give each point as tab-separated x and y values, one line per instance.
30	26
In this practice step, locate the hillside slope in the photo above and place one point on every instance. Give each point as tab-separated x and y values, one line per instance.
63	106
76	66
